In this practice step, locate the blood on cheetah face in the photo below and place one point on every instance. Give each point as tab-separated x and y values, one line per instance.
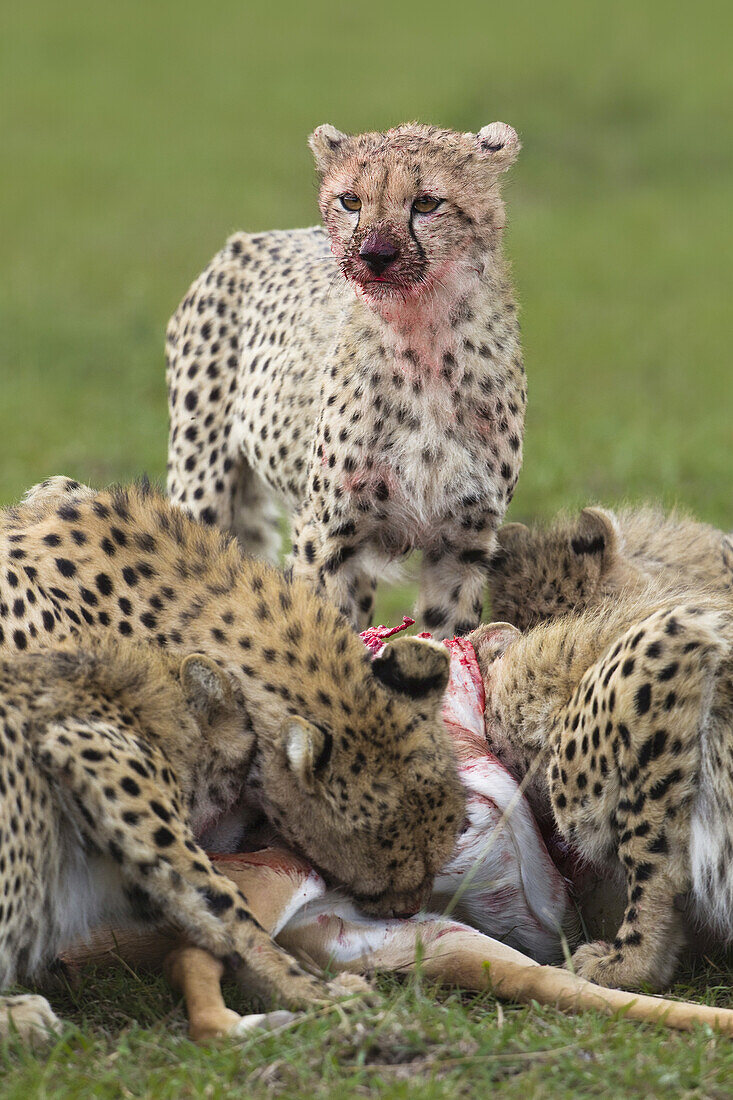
411	209
385	823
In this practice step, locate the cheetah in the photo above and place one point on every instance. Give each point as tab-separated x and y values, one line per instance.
108	755
347	758
368	374
576	563
619	721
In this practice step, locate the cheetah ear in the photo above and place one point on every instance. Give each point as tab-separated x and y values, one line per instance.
326	142
206	686
414	667
307	750
490	641
598	534
512	536
498	145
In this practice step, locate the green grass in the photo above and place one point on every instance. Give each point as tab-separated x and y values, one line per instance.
135	137
126	1038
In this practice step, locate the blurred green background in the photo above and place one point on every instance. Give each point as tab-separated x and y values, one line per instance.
135	137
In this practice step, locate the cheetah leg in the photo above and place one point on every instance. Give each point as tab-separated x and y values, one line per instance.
654	734
229	495
366	587
255	516
206	492
165	874
332	564
647	944
452	585
347	585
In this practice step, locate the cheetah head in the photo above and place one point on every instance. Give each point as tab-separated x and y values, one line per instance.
373	802
538	574
414	209
491	642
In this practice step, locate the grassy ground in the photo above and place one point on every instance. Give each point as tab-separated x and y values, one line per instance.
135	137
127	1039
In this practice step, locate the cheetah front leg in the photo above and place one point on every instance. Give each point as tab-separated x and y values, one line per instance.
366	587
225	493
255	516
650	938
642	707
330	559
452	585
126	806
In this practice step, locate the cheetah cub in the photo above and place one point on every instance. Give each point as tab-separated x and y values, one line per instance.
368	374
107	755
347	757
620	722
540	573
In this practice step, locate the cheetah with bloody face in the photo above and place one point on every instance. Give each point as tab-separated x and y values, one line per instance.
620	722
108	756
348	758
540	573
374	386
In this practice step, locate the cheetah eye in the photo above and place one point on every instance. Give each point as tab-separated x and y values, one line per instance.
350	202
426	204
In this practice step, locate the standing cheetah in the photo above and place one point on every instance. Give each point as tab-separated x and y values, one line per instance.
348	758
541	573
620	722
375	386
108	759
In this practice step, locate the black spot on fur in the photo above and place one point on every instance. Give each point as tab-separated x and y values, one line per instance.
658	790
163	837
104	584
643	699
217	903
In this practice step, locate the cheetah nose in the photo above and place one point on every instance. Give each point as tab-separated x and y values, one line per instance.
378	253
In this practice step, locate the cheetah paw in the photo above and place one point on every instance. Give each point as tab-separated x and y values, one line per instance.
599	962
31	1017
341	988
350	985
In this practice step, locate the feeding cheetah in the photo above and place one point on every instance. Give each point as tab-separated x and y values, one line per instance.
375	386
347	758
108	756
578	562
620	721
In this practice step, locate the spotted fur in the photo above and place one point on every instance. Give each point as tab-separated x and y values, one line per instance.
539	573
620	721
381	399
108	755
348	758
